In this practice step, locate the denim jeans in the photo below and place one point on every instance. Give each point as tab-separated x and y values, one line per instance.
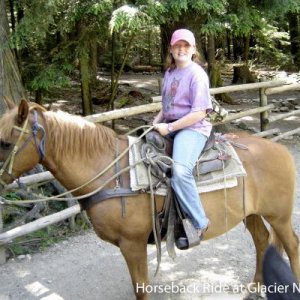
187	147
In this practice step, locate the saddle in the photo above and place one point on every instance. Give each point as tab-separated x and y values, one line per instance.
157	151
172	222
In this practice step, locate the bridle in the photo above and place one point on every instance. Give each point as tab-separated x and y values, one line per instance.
40	147
7	166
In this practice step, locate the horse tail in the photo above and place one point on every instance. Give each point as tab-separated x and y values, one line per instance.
275	240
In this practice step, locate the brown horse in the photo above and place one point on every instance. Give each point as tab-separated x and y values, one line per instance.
77	150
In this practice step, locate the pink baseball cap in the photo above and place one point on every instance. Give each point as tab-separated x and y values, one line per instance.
183	34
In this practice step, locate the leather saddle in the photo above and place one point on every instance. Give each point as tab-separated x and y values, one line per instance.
157	149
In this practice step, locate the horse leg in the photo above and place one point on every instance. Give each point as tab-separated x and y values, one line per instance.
290	242
135	254
275	241
260	235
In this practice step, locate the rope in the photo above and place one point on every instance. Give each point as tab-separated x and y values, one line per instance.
54	198
58	197
153	217
41	147
225	198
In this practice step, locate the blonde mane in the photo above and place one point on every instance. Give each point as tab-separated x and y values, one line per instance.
74	136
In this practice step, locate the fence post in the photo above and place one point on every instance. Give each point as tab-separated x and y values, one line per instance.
2	248
263	101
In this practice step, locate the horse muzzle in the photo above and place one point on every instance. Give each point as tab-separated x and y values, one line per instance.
5	177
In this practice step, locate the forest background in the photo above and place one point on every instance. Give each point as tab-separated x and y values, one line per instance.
48	44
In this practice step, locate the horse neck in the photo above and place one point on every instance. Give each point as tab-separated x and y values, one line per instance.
76	162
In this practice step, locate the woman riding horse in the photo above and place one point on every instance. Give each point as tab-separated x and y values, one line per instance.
75	151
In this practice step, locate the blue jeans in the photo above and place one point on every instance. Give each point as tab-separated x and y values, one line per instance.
187	147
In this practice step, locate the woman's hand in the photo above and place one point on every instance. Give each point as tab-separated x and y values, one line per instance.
162	128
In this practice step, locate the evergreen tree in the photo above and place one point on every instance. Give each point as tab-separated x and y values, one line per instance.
10	79
58	39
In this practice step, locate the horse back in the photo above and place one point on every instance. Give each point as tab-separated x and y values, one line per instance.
271	172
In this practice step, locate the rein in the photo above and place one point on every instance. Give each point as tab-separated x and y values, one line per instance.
18	148
40	150
40	147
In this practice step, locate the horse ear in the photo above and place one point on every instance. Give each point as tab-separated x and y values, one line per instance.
9	103
22	112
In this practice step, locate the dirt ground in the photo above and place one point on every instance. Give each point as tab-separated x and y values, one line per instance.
85	267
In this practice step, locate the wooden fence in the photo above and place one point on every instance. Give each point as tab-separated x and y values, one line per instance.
265	89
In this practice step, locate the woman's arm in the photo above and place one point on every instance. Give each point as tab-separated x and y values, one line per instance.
159	117
186	121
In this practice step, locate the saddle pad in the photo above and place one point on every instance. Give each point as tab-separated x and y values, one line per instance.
226	178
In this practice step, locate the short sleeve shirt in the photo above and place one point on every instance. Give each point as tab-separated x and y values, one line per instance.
186	90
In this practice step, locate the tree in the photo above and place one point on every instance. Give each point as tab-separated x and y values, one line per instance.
63	41
60	38
294	27
10	79
127	20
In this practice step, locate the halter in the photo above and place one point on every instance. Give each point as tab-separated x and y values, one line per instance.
40	147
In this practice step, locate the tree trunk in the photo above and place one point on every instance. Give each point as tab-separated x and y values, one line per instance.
10	79
214	70
211	50
94	61
12	15
294	27
242	74
228	38
246	40
38	96
149	52
165	33
237	48
87	108
85	76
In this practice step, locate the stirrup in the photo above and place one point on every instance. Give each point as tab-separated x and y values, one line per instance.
191	240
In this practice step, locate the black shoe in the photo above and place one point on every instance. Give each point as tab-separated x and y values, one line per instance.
182	243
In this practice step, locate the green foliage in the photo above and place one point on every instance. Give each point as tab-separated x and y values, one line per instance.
129	18
214	6
10	213
11	196
154	9
243	19
278	8
123	101
49	39
49	77
272	46
40	240
36	25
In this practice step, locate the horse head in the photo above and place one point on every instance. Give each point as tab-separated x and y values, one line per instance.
21	140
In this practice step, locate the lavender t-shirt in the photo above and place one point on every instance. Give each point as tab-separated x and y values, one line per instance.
186	90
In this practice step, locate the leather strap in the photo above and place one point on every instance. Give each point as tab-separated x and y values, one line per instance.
103	195
119	180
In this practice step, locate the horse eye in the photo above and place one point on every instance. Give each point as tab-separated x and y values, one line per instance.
5	145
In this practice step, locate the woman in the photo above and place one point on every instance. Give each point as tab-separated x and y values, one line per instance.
186	102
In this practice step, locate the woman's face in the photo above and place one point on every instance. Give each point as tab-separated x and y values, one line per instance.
182	53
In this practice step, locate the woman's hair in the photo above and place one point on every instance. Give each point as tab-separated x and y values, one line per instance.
170	61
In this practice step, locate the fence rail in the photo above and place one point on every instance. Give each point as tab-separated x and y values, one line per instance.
265	89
